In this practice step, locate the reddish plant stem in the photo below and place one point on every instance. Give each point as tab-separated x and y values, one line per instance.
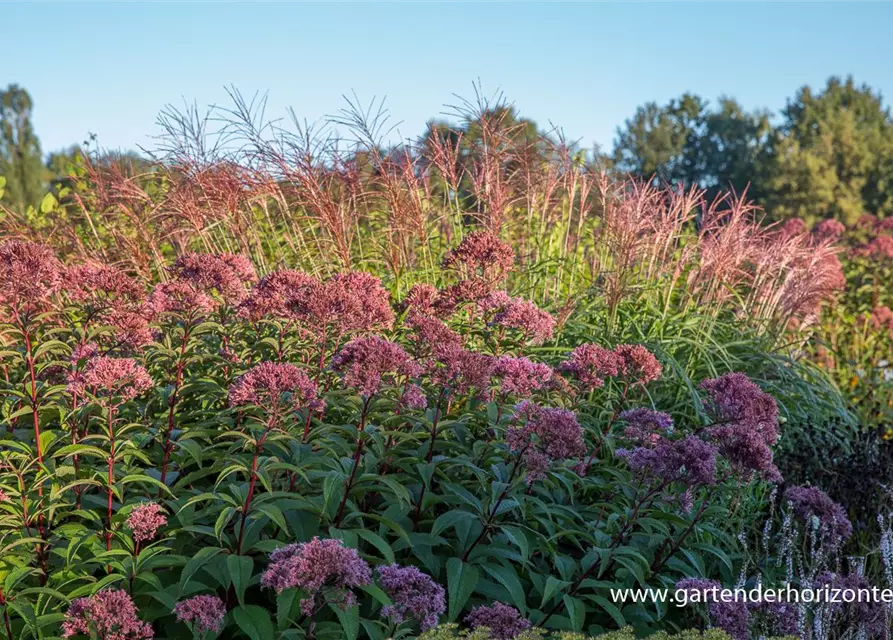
659	558
29	357
6	622
110	491
607	429
434	422
358	454
252	485
168	445
491	516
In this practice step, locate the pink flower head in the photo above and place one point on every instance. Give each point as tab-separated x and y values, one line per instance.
108	377
226	274
502	621
414	594
520	377
431	336
317	566
204	613
792	227
880	248
462	371
29	275
535	324
690	461
414	398
646	426
637	364
281	294
421	298
882	318
811	502
547	435
84	352
481	254
101	284
829	229
178	297
3	496
458	294
145	520
369	362
131	329
590	364
106	615
273	384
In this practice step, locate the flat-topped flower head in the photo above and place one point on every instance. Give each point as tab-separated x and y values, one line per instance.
544	435
792	227
463	371
106	615
811	503
645	426
430	336
637	364
481	254
280	294
29	275
369	362
829	229
590	364
101	284
145	520
414	594
111	378
520	377
275	385
502	621
533	323
131	328
690	461
225	274
203	613
324	567
422	298
414	398
178	297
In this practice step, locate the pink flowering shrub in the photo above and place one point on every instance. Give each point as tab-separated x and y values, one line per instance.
313	456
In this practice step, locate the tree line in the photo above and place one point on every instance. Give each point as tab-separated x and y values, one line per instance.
827	154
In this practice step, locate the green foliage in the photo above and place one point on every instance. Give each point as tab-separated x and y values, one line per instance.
20	159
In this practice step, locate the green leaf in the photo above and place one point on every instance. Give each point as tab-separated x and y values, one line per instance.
462	578
378	542
254	621
576	611
240	568
204	555
552	585
48	203
349	619
508	578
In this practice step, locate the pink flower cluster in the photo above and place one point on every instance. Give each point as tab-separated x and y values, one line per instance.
502	621
226	274
547	435
205	613
178	297
414	595
109	377
106	615
145	520
646	426
533	323
829	229
29	275
690	461
590	364
317	566
481	254
414	398
274	384
98	283
367	363
520	377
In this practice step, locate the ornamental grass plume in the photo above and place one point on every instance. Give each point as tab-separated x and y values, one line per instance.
547	435
812	505
109	378
369	362
275	386
29	276
414	594
106	615
203	613
145	519
502	621
325	568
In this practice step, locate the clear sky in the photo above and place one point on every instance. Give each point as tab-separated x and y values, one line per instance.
109	68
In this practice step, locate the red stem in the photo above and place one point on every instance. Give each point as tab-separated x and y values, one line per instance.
172	403
358	454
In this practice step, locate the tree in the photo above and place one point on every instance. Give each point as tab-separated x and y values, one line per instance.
685	142
831	155
20	158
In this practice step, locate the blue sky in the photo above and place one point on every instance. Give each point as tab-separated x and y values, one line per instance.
110	68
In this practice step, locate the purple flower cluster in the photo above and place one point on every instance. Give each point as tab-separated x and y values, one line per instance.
829	229
367	363
145	520
317	566
745	424
481	254
811	502
646	426
879	248
732	617
414	594
225	273
29	275
108	377
689	460
414	398
106	615
272	384
520	377
547	435
590	364
177	297
502	621
204	613
98	283
536	325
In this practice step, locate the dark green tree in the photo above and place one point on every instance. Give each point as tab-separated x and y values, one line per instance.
832	155
20	158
